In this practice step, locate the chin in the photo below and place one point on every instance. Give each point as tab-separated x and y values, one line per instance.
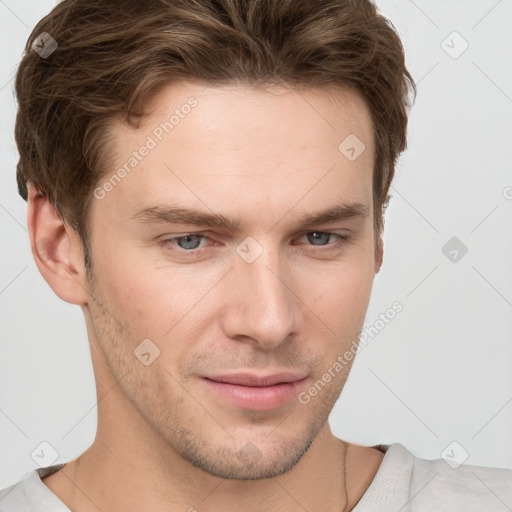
251	458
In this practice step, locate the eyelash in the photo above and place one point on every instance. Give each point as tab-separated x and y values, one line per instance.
341	240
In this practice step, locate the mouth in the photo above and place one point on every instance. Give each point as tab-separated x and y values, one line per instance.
256	392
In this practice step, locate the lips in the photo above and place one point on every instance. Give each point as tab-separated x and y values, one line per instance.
255	392
249	379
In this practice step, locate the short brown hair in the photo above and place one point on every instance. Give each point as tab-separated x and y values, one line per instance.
112	55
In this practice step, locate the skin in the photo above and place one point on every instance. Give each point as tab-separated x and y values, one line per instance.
165	441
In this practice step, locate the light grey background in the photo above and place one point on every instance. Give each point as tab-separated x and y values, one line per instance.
439	372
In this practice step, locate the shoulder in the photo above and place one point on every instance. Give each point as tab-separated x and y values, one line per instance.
30	494
444	484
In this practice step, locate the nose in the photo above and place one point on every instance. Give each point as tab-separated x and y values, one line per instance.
262	305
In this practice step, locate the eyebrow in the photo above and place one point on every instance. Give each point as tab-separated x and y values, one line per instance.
177	215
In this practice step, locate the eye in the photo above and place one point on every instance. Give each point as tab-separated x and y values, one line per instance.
185	243
189	241
319	236
315	239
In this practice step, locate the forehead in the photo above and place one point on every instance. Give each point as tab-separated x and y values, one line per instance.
240	109
261	147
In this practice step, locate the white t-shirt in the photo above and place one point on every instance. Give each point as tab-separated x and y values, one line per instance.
403	483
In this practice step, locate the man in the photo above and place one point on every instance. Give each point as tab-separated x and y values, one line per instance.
207	180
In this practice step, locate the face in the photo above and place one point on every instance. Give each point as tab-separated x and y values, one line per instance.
255	283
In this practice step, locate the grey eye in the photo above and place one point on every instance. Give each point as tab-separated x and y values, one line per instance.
190	241
315	235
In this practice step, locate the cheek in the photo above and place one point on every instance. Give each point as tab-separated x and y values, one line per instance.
341	295
131	298
132	280
156	301
343	303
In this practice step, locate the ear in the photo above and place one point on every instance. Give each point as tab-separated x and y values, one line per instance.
57	250
379	254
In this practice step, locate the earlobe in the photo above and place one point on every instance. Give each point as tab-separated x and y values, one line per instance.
56	249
